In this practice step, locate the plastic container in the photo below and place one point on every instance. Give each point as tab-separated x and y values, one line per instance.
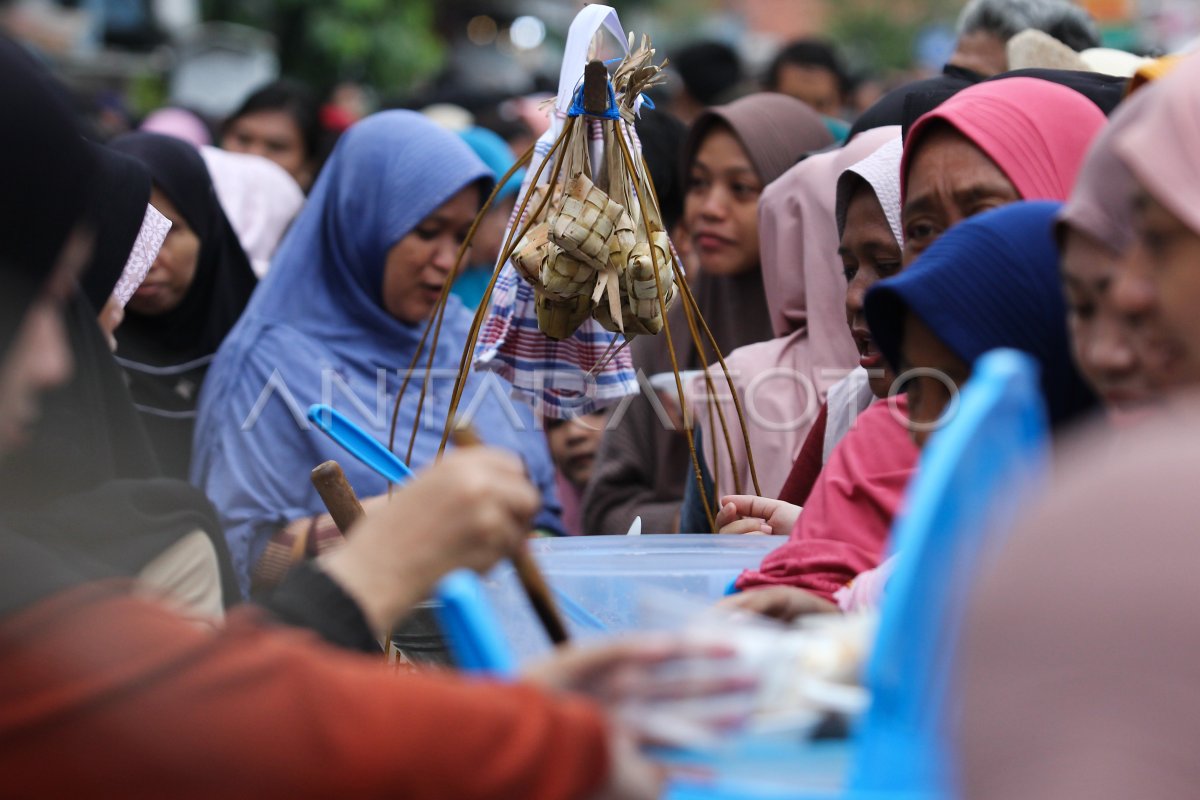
598	581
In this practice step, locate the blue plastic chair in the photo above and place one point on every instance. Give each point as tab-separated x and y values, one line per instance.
975	473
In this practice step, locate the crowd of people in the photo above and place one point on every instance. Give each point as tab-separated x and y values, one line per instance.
181	616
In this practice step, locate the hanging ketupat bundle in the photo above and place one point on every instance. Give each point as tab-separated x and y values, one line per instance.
596	245
586	252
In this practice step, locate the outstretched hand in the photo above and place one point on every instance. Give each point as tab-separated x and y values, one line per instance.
747	513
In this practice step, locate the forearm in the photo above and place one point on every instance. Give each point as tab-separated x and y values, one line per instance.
312	599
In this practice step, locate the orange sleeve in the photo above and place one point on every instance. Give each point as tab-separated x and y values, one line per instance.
104	694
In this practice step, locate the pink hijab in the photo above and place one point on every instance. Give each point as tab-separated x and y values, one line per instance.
782	382
1036	132
179	123
1161	146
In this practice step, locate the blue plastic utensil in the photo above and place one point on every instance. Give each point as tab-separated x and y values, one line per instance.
359	443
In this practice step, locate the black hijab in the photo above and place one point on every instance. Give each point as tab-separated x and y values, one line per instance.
88	483
167	356
44	188
67	514
47	172
124	186
904	104
1106	91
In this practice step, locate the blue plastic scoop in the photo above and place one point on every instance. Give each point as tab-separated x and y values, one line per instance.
358	443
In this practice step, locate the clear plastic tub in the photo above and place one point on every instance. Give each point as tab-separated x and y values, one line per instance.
599	580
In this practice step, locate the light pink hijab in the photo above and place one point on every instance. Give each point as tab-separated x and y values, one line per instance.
782	382
260	198
1162	146
1036	132
179	123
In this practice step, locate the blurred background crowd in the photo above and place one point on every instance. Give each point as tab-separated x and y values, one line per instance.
491	62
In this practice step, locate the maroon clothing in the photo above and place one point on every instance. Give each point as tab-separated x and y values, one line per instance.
807	466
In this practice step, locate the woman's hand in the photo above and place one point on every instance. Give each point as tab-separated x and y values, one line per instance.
747	513
470	510
627	671
627	675
784	603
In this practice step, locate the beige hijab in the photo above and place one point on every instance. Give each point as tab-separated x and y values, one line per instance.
1161	145
783	381
1101	204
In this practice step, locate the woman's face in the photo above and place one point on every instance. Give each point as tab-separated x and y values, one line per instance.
721	207
869	254
949	179
174	268
1103	339
419	265
273	135
1163	284
940	374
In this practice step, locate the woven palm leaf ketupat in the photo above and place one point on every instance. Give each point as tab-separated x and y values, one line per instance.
589	241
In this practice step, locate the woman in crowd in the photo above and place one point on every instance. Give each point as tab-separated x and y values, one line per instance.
989	282
782	382
259	197
338	320
871	245
194	293
987	146
120	692
1158	147
865	479
282	122
89	457
732	153
1125	358
1126	520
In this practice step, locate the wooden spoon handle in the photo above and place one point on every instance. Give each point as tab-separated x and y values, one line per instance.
337	495
528	573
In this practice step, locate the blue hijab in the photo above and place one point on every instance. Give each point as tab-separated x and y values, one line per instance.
316	331
991	281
